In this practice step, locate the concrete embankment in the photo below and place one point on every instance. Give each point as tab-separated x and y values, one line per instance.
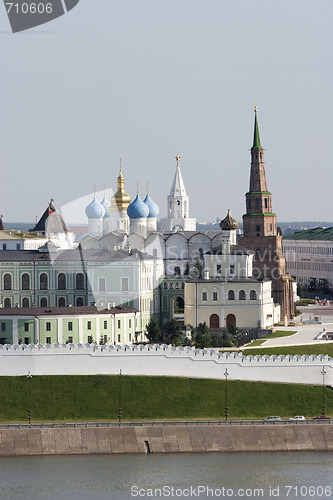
179	438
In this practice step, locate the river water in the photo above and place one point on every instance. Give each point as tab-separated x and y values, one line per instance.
211	475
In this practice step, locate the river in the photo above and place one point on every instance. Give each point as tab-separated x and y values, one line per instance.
266	475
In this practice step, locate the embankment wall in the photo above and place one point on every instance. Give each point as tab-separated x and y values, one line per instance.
165	439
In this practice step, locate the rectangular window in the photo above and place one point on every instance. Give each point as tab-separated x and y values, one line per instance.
119	338
70	340
48	340
214	296
89	339
26	340
105	325
70	326
130	337
218	269
124	284
101	284
130	323
48	326
105	338
4	246
89	325
18	246
204	296
232	269
26	327
118	323
3	327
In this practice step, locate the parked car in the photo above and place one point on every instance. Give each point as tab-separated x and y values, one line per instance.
272	419
296	418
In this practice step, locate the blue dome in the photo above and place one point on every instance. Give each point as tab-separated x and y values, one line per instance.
137	209
106	206
153	208
95	210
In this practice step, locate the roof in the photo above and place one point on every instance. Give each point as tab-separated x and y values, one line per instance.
234	250
63	311
178	186
256	136
18	235
51	222
226	280
317	233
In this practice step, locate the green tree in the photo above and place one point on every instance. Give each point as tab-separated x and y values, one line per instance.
153	332
187	269
198	268
172	332
203	338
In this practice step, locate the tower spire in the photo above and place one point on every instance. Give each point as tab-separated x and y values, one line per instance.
256	136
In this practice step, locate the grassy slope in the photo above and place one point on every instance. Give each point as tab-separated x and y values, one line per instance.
320	348
96	397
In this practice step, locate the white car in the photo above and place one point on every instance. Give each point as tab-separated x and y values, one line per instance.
296	418
272	419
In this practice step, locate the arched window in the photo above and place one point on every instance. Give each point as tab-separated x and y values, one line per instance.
253	295
43	302
231	295
177	270
200	253
266	203
79	281
183	285
61	281
61	302
8	303
257	203
241	295
43	282
25	281
171	285
25	302
7	282
165	285
79	301
177	285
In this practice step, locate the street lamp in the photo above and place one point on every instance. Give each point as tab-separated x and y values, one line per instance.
119	405
323	408
29	377
226	393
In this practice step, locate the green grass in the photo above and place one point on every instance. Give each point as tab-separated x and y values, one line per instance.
273	335
87	398
321	348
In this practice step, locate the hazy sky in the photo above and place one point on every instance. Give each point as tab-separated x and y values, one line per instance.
147	80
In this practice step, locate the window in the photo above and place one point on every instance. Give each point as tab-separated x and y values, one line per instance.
119	323
204	296
48	340
214	296
43	302
165	285
7	282
177	285
4	246
177	271
90	339
79	281
218	269
241	295
18	246
3	327
266	204
130	323
130	337
70	326
105	325
171	285
105	338
62	302
232	269
124	284
61	281
253	295
79	301
89	325
183	285
26	327
101	284
257	203
25	281
8	303
200	253
119	338
43	282
258	228
26	340
231	295
70	340
25	302
48	326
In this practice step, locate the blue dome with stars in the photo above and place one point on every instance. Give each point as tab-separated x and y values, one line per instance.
95	210
137	209
153	208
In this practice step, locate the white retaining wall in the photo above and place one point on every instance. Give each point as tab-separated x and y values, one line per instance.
161	361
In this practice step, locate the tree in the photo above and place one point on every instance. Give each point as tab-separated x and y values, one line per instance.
198	268
153	332
187	269
172	332
203	338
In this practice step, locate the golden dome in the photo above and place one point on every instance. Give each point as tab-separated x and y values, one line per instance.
120	200
228	223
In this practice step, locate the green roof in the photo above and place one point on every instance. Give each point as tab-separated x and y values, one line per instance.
256	136
316	233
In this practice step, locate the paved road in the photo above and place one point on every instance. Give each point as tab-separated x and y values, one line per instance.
306	332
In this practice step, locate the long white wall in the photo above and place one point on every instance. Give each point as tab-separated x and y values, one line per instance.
161	361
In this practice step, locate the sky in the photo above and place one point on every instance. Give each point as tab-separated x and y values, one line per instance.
148	80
